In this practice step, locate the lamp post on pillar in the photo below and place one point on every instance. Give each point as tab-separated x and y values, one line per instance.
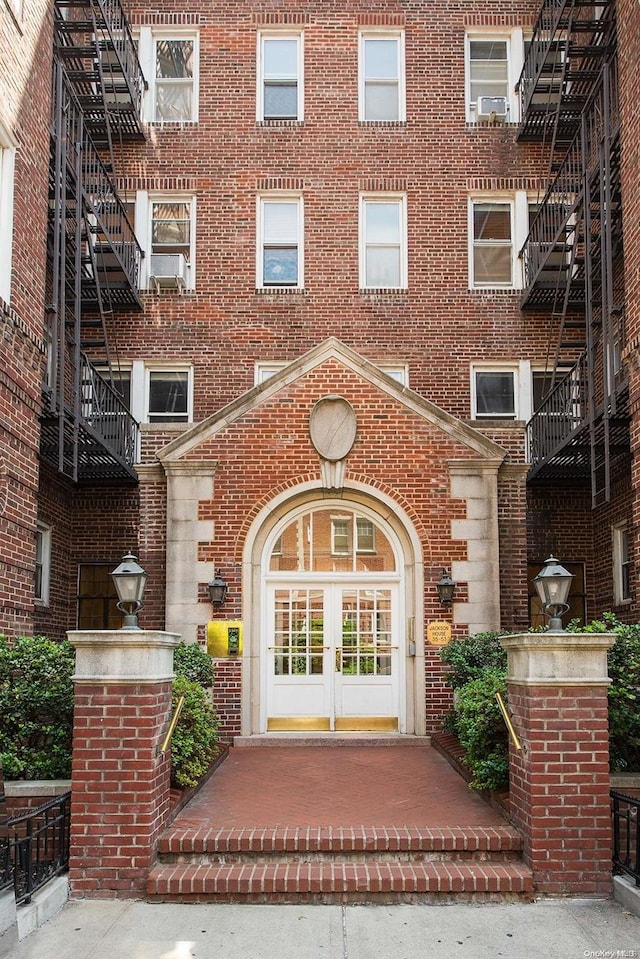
120	778
559	781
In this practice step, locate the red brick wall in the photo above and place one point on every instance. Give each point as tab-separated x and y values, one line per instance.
25	55
120	798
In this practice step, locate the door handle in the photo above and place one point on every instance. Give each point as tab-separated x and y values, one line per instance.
339	659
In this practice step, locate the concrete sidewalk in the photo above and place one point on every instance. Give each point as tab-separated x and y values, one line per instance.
571	929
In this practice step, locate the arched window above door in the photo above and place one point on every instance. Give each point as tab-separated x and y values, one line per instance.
333	540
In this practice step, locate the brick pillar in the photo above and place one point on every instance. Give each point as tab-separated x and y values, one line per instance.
119	780
559	781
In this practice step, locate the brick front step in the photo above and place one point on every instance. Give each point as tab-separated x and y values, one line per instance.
412	842
338	864
338	881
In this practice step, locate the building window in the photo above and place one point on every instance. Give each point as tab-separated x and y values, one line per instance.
97	597
383	242
265	370
169	60
280	76
381	94
280	233
365	536
43	564
492	255
494	393
170	240
493	65
169	396
621	564
340	539
7	160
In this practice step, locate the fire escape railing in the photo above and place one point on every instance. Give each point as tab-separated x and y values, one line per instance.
94	255
560	416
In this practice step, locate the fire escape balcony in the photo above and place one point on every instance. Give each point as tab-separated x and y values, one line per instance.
93	438
581	428
93	39
109	253
563	62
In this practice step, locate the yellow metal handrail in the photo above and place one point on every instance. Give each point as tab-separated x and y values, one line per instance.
172	725
509	724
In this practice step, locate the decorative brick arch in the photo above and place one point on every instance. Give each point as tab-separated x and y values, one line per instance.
393	518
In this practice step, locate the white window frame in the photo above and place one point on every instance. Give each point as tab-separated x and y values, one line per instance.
43	563
359	535
147	40
514	39
522	390
149	370
265	36
372	198
7	173
519	216
398	36
620	543
144	232
342	521
265	369
276	197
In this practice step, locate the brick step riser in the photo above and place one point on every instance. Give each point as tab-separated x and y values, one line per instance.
339	881
338	855
338	898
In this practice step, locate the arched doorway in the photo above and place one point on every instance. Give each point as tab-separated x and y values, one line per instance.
333	647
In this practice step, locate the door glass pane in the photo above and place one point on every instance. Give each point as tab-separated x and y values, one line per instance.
298	636
366	632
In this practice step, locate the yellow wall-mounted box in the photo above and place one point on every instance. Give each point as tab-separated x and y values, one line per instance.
224	637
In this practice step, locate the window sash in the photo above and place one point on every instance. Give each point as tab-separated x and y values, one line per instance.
168	396
381	78
174	78
492	244
280	242
280	77
383	230
42	563
495	394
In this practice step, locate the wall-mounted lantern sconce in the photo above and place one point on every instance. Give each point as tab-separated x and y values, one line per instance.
553	583
446	588
130	580
217	590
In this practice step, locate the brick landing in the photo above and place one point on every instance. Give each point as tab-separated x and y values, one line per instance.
351	824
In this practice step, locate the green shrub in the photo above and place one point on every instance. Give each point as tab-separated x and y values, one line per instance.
624	692
481	729
195	739
36	706
470	656
193	662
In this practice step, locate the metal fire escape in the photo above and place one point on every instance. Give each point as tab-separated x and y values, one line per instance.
573	254
93	257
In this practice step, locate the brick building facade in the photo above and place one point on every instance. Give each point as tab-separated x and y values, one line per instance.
319	220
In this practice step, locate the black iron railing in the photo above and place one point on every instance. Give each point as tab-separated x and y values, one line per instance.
38	846
626	835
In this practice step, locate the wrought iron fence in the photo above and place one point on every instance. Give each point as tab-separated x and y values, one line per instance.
626	835
38	847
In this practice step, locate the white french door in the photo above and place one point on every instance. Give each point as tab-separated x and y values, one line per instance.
332	656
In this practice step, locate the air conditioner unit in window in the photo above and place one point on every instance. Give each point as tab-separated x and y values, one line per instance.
492	108
168	271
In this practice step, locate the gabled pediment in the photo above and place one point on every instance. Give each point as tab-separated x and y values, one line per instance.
329	351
